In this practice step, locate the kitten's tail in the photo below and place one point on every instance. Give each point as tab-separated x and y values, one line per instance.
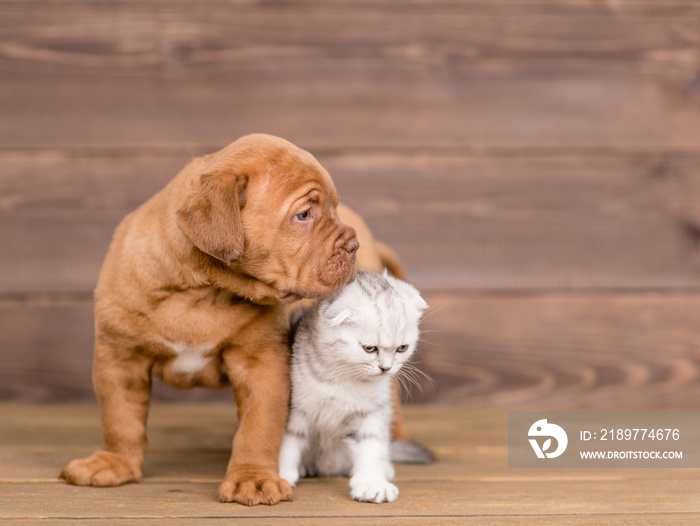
405	452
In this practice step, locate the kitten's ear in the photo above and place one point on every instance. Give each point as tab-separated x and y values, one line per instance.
337	313
341	318
419	302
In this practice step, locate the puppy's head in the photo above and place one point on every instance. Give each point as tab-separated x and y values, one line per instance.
268	209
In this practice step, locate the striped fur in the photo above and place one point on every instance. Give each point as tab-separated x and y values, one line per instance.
345	353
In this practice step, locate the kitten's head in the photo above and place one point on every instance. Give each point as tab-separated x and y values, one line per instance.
373	323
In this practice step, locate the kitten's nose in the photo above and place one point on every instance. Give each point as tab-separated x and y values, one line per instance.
384	369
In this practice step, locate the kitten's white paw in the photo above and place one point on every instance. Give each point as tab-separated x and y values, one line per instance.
290	475
375	491
307	471
389	470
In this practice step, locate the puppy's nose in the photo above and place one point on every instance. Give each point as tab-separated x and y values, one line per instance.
348	241
352	246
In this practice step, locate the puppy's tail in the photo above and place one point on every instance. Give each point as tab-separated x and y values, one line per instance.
390	260
405	452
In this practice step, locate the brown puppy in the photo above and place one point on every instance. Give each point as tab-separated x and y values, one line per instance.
194	289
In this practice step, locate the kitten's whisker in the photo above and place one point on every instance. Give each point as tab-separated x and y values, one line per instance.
410	379
414	375
420	372
403	388
407	379
431	311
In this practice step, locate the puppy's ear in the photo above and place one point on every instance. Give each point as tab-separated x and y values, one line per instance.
211	215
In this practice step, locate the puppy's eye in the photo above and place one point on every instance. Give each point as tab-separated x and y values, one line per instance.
303	216
370	348
402	348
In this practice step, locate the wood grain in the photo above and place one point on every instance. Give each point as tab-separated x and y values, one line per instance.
343	74
566	351
636	519
46	353
511	147
587	351
627	221
469	484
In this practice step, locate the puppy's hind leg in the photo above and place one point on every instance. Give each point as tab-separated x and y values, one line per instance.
123	385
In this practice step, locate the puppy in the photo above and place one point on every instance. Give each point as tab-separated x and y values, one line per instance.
195	290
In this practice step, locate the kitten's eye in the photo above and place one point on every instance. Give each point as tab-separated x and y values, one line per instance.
303	216
403	348
369	348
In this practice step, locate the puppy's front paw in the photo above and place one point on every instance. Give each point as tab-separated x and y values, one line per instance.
251	485
375	491
101	469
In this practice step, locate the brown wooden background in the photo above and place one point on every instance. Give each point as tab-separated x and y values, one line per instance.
536	164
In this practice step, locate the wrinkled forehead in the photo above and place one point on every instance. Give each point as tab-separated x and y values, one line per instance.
291	175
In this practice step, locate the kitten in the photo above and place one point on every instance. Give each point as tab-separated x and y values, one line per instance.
346	351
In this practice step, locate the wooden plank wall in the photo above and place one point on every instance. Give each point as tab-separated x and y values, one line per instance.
536	164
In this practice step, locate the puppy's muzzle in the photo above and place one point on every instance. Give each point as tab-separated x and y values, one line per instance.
348	241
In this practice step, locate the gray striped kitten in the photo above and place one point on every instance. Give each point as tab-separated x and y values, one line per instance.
345	354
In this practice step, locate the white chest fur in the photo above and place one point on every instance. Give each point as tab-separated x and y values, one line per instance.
189	360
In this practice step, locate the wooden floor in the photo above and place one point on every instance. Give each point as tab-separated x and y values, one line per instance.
189	445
